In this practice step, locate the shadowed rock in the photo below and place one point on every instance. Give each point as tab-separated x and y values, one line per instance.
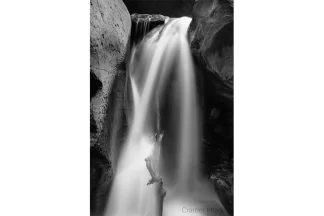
211	36
171	8
211	41
144	23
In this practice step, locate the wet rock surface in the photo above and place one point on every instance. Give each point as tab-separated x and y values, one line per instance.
211	36
223	184
148	17
100	179
211	41
144	23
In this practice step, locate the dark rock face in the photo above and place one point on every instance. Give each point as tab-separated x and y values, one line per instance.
100	178
211	41
110	26
95	86
171	8
144	23
223	184
211	36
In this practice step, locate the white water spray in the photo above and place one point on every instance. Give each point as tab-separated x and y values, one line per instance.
164	97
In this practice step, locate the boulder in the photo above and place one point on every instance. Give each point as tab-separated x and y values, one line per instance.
211	36
223	184
110	28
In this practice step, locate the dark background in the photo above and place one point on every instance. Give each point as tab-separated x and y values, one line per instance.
171	8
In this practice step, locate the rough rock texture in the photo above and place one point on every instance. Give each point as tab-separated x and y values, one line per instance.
211	41
151	17
110	28
223	184
143	23
109	33
100	175
211	36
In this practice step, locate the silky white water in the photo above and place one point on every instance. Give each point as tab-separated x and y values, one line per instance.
164	100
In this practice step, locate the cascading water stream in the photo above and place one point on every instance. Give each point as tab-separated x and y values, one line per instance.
163	87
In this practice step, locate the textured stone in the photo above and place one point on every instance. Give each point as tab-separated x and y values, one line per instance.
211	36
149	17
110	25
100	175
144	23
223	184
110	29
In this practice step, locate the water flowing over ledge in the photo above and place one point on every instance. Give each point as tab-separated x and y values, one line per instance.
163	95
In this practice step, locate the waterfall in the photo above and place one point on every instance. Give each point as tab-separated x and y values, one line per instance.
164	100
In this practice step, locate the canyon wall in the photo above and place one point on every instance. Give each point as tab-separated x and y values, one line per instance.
110	30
